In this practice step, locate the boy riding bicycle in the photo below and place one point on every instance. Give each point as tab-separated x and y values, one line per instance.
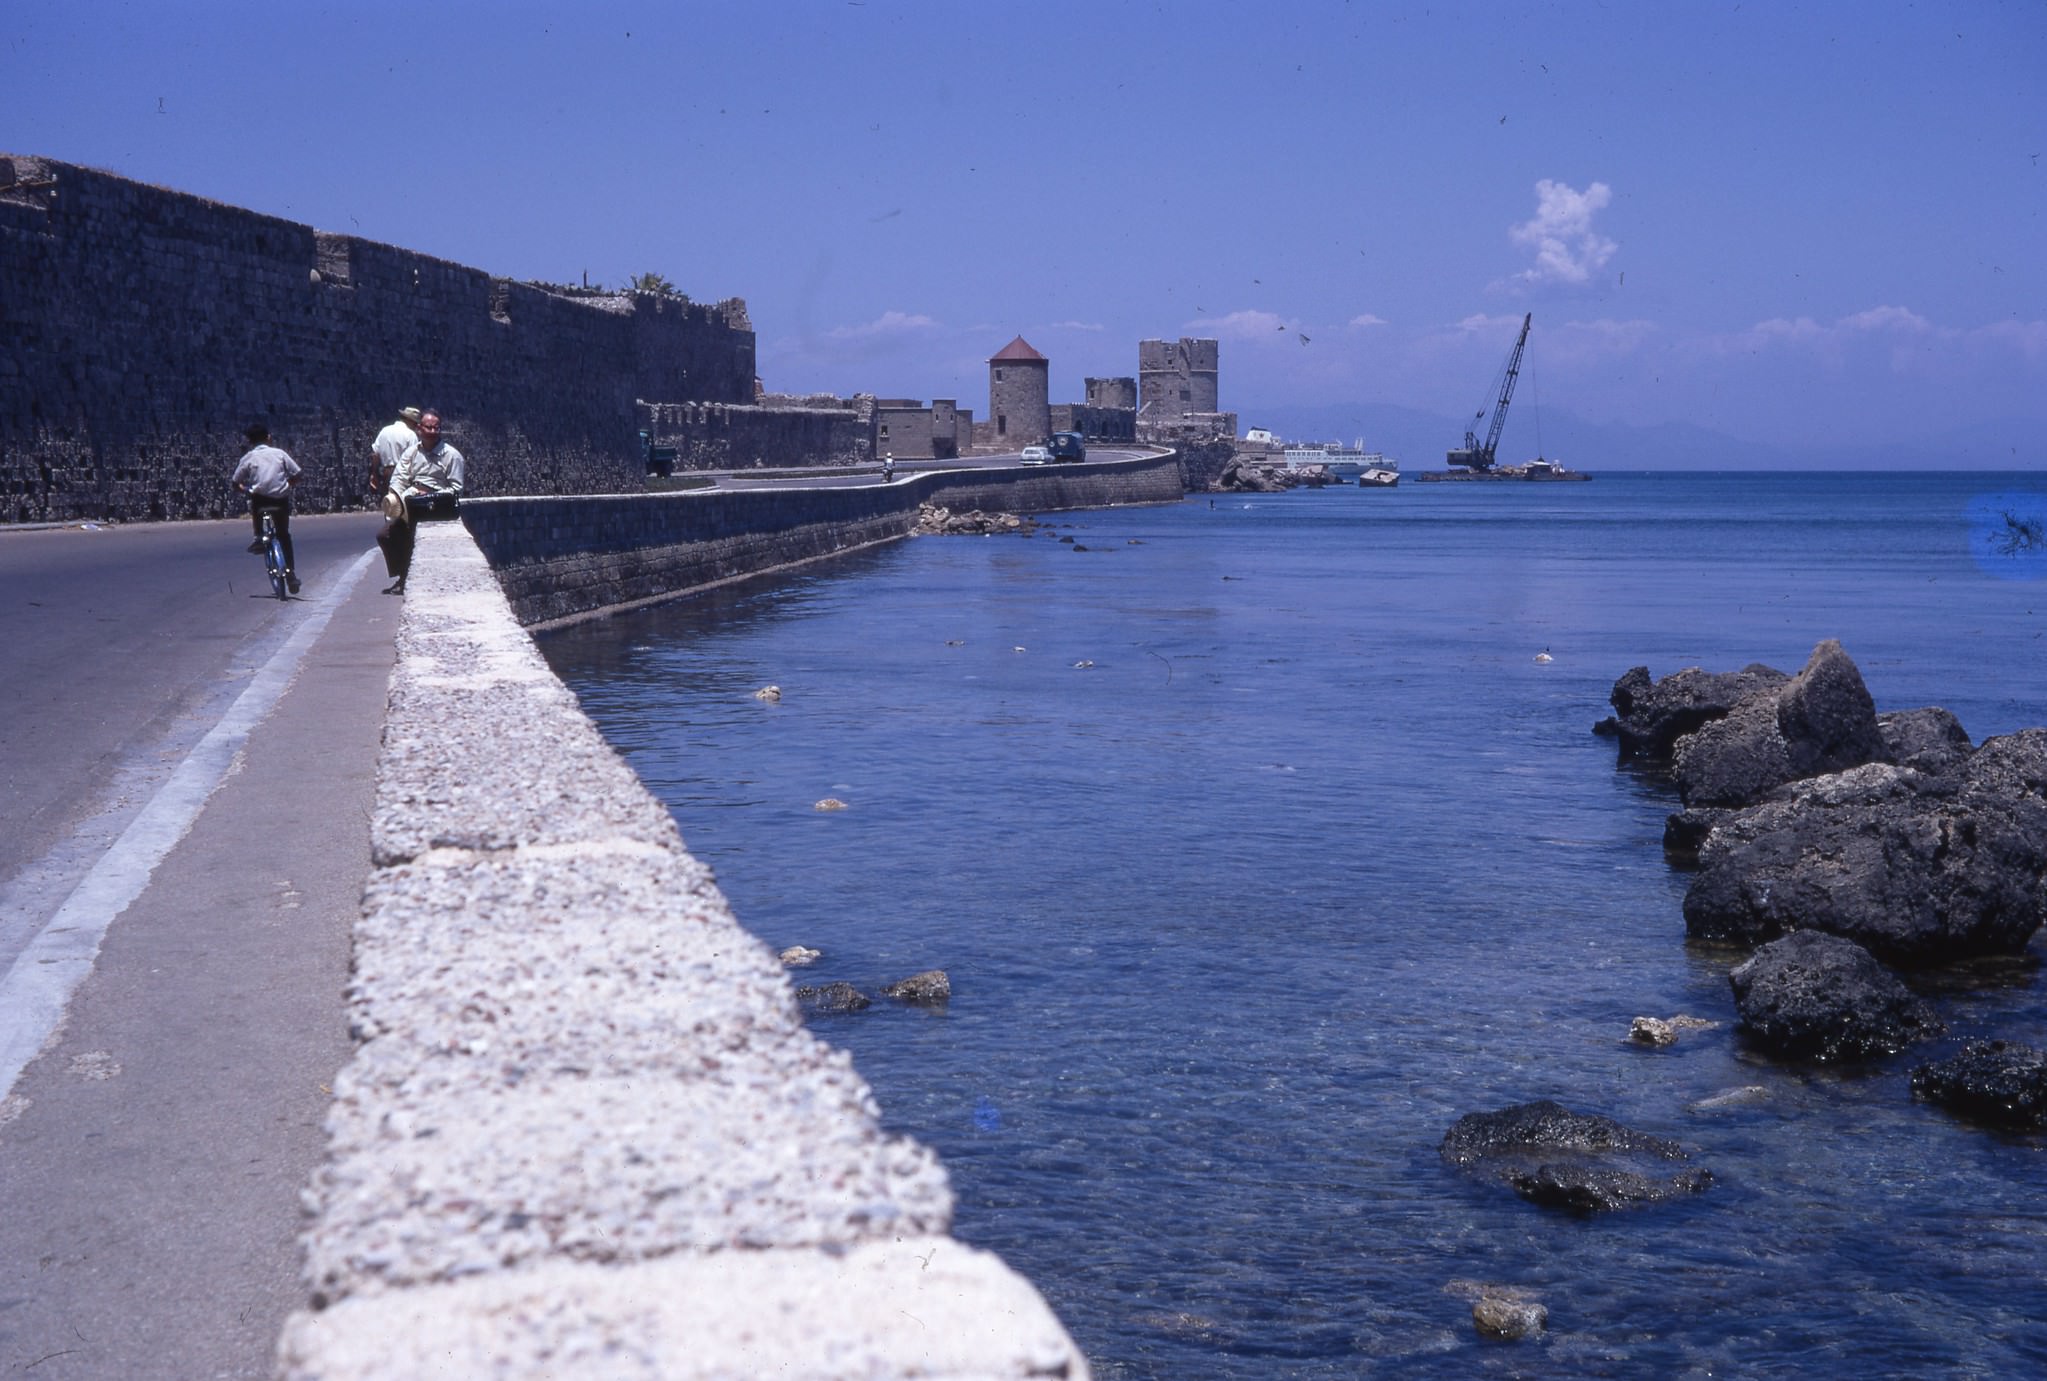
266	474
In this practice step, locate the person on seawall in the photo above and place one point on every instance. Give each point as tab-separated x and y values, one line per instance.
388	447
428	483
266	473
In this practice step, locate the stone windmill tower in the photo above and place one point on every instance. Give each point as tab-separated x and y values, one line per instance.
1019	395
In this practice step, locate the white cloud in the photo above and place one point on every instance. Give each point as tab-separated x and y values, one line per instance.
889	323
1246	325
1887	319
1910	342
2028	338
1567	249
1367	319
1076	326
1605	336
1480	321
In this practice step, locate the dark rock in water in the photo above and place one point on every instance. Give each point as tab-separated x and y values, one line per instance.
1578	1161
1581	1188
1821	720
1929	740
1999	1083
1686	831
1653	715
833	998
1826	716
932	985
1733	760
1921	871
1811	996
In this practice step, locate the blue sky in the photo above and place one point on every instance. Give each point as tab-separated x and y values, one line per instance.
1796	224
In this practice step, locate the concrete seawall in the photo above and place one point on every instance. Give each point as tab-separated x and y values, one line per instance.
560	559
585	1132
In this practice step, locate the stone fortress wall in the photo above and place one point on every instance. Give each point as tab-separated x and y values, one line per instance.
1177	377
146	327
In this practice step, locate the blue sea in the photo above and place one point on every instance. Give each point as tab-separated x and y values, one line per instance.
1260	847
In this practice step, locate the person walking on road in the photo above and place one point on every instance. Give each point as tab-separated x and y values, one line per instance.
267	475
388	447
428	483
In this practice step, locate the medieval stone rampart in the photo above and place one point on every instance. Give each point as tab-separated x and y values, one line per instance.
146	327
729	436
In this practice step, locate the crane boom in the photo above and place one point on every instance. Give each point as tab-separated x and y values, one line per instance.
1478	457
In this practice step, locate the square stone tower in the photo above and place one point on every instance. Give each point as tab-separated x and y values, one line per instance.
1176	377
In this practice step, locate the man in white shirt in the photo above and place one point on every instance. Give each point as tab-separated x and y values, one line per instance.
429	480
388	447
267	474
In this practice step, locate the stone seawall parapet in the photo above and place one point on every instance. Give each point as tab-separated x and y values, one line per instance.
585	1131
559	559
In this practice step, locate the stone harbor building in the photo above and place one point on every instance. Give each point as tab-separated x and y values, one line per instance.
908	430
1112	393
1019	395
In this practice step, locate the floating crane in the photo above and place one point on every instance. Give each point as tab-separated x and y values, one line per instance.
1471	454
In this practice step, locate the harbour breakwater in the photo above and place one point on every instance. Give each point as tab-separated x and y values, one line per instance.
560	559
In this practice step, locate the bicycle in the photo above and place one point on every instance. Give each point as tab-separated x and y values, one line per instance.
273	558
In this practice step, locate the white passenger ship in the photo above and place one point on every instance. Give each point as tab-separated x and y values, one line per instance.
1352	463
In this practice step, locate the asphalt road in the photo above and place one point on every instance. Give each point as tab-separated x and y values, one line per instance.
152	1154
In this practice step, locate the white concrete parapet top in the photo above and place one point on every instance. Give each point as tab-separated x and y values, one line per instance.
586	1133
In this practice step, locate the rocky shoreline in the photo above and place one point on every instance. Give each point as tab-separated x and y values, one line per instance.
1865	863
1850	853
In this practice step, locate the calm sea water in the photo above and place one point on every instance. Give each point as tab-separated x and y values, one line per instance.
1260	848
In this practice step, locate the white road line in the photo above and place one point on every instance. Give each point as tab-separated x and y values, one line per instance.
50	967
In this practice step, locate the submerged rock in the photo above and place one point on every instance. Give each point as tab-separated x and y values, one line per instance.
1508	1316
830	998
1577	1161
1810	996
2000	1083
930	986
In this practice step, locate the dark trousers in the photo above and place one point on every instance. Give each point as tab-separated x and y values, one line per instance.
280	511
396	539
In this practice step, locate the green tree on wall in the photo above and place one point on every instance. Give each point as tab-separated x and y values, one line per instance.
652	283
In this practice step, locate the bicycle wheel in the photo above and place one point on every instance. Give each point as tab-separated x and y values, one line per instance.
273	562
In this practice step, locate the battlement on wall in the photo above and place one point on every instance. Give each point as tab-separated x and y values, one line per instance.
147	326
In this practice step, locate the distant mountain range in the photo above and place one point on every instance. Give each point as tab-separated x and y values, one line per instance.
1419	439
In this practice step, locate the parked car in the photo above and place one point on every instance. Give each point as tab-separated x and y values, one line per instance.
1037	455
